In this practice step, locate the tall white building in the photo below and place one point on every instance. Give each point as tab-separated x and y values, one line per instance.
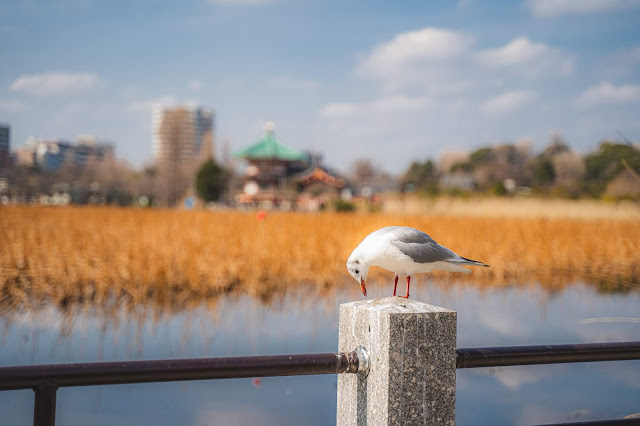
182	135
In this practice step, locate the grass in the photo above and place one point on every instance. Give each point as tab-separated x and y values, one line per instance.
482	206
109	255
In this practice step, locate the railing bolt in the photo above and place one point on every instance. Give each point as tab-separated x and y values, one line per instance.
364	364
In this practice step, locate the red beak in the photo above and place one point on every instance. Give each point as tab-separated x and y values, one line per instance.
363	287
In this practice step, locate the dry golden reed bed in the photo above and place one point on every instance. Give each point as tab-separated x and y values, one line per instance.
103	255
526	208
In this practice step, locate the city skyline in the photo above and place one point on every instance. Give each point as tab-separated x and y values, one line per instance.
53	154
394	83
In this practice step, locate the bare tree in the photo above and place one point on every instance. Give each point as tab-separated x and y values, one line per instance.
569	168
363	170
450	158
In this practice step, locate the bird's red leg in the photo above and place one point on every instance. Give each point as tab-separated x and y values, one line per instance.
408	281
395	285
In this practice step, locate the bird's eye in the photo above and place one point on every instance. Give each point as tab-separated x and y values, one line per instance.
357	272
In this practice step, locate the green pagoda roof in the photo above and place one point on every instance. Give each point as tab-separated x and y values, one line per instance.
270	149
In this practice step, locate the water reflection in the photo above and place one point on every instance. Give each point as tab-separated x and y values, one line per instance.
301	322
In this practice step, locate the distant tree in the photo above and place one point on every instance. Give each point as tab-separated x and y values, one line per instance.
555	147
543	174
447	159
363	169
490	166
568	168
419	173
499	189
211	180
114	177
481	156
343	206
475	160
142	182
421	176
508	155
605	164
465	167
27	181
625	185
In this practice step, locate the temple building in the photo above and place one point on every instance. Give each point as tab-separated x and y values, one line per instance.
271	165
317	179
278	176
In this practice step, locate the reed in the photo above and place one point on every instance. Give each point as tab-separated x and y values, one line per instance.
167	257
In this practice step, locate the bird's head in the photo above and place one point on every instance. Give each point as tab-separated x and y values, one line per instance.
358	269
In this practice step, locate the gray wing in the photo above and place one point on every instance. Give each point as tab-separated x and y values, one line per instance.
420	247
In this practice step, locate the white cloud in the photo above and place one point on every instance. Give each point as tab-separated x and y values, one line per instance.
416	56
55	83
427	44
194	85
240	1
536	414
130	92
622	63
384	106
508	102
550	8
628	376
12	105
441	61
501	322
436	85
362	129
529	58
514	378
607	93
340	110
288	82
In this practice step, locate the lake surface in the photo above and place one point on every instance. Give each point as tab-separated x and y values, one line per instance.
234	326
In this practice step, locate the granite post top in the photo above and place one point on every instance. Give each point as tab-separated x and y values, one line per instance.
396	305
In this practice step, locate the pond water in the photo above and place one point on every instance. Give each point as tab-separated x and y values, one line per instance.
234	326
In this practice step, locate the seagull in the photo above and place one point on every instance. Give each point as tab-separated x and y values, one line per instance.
404	251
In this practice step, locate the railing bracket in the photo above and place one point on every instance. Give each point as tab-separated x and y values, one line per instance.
364	365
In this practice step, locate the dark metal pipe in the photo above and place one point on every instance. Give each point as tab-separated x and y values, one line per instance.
546	354
44	405
103	373
106	373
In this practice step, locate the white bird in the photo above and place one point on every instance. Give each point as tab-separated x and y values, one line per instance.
404	251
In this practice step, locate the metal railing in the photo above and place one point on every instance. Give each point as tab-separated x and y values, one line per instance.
546	354
46	379
112	373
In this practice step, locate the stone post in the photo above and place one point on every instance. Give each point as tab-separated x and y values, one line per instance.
412	355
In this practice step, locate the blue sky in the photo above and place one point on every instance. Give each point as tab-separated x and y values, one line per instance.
389	81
